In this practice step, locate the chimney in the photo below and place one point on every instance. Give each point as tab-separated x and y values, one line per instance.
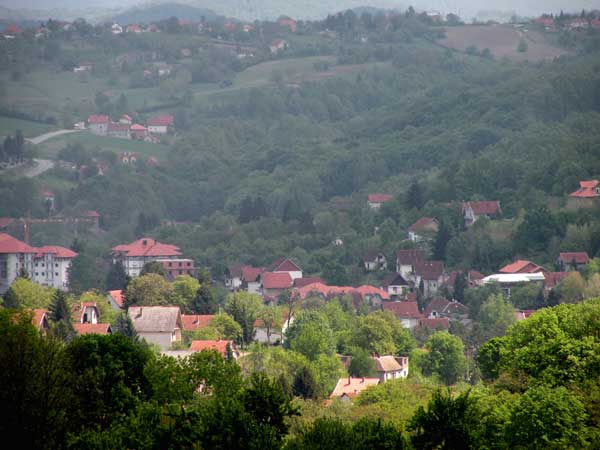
349	381
139	314
144	242
363	380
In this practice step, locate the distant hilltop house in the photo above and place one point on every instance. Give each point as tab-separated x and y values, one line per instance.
472	211
349	388
423	229
160	124
374	201
116	29
546	22
522	266
508	281
135	255
390	367
83	67
406	311
278	46
286	22
98	124
118	130
374	261
568	261
48	265
586	195
395	285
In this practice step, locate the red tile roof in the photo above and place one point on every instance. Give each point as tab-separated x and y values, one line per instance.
410	256
91	214
138	127
436	323
160	121
117	296
422	223
587	189
47	194
578	257
147	247
523	314
442	306
220	346
59	252
118	127
380	198
284	265
39	315
9	244
429	270
92	328
276	280
352	387
403	310
196	321
251	274
488	208
521	266
98	120
301	282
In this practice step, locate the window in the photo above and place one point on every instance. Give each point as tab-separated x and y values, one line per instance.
180	264
56	265
36	264
170	264
56	273
43	265
36	274
43	274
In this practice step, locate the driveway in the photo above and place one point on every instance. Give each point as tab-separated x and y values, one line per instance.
46	136
39	167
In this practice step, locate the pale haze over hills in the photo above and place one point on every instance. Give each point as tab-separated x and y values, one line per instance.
311	9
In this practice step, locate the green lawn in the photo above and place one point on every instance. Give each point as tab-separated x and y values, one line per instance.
9	125
51	147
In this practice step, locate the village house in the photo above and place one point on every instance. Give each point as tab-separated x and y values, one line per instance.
177	267
40	320
98	124
274	283
348	388
586	195
578	23
286	22
552	279
395	285
138	131
278	46
160	124
218	345
474	210
134	29
48	265
160	325
374	261
360	295
407	312
115	299
437	324
374	201
508	281
251	280
233	277
116	29
390	367
48	198
275	334
522	266
285	265
92	328
429	274
135	255
125	119
423	229
546	22
86	312
441	307
472	277
118	130
568	261
406	261
193	322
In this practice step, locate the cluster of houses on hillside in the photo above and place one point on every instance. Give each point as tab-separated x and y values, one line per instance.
552	24
124	128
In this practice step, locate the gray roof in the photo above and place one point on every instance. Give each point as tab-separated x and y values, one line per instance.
155	319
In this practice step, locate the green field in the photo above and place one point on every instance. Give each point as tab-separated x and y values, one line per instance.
9	125
52	146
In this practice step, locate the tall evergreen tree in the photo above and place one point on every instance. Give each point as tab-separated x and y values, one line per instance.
59	314
117	278
124	326
205	302
441	241
460	284
414	196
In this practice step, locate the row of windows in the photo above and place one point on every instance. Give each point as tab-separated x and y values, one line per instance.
44	274
55	265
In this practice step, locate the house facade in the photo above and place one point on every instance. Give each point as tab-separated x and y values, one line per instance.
572	261
587	194
406	261
390	367
160	124
160	325
423	229
407	312
474	210
374	261
48	265
98	125
135	255
374	201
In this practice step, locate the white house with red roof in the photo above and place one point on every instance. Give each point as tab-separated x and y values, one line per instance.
348	388
423	229
586	195
430	274
47	265
474	210
274	283
391	368
160	124
118	130
138	131
286	265
374	201
116	300
278	45
407	312
522	266
98	124
572	261
406	261
135	255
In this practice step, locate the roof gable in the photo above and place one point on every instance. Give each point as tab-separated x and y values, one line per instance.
276	280
147	247
403	310
422	224
521	266
155	319
577	257
429	270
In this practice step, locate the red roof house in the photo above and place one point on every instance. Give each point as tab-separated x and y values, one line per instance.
376	200
407	312
193	322
160	121
572	260
438	323
522	266
474	210
219	345
9	244
587	189
116	299
147	247
92	328
272	281
95	120
551	279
